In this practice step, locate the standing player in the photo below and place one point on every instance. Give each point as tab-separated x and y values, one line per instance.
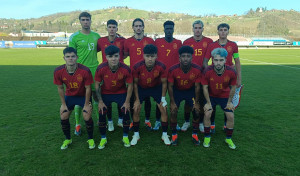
77	79
168	54
184	84
199	43
219	83
150	79
233	53
85	42
112	39
133	47
113	76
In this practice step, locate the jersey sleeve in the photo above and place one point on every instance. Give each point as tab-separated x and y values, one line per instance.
208	52
233	79
199	77
170	77
88	78
99	45
98	76
57	79
205	79
72	42
129	78
126	48
135	72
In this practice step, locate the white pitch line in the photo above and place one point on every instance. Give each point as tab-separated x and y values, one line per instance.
269	63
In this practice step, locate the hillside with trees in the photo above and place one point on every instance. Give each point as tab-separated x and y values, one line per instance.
260	22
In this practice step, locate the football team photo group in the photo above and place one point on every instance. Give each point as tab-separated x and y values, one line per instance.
199	72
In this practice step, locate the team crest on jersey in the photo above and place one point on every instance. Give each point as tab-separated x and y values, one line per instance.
175	46
211	79
192	46
120	76
145	43
79	78
105	76
178	77
162	46
64	79
155	73
229	49
226	79
204	44
105	45
118	44
192	76
132	44
143	74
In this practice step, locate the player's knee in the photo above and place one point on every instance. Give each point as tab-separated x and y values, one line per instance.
230	116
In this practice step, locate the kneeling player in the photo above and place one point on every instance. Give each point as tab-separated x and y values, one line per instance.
77	79
150	79
184	84
219	85
113	76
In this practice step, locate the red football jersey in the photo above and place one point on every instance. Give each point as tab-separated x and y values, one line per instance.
218	86
199	47
147	78
231	48
104	42
167	52
135	48
76	82
113	83
184	81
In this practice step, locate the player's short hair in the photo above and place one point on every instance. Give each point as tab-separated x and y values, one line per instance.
169	23
222	25
111	50
138	19
219	51
113	22
198	22
186	49
85	14
150	49
70	50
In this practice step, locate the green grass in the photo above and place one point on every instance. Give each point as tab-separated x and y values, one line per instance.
266	129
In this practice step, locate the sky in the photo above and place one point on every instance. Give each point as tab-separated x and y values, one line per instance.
24	9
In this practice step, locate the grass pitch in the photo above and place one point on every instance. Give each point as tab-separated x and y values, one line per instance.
266	125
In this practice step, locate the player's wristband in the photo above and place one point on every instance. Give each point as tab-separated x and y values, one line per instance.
236	55
164	102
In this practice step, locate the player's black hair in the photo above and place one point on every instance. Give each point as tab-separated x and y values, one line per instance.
113	22
186	49
111	50
222	25
150	49
169	23
70	50
85	14
138	19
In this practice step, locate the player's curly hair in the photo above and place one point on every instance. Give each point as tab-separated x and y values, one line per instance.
186	49
138	19
169	23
